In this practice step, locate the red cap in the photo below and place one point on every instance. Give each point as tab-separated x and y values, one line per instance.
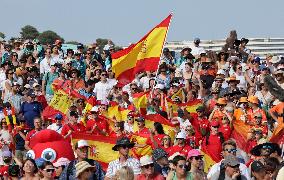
214	123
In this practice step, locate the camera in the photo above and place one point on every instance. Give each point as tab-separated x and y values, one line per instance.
205	66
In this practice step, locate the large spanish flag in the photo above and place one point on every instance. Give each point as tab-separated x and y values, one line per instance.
142	56
189	106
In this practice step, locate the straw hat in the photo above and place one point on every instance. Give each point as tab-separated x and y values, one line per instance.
81	167
243	100
221	101
253	99
233	78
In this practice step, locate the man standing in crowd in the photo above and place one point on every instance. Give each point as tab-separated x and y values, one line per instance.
123	145
81	149
57	126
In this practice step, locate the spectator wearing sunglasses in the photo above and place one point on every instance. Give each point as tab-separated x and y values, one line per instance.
180	167
103	87
195	159
229	149
147	167
123	145
47	169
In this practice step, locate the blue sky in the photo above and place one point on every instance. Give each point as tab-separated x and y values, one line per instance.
126	21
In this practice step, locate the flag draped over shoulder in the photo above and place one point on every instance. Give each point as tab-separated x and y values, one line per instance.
142	56
240	133
63	98
100	147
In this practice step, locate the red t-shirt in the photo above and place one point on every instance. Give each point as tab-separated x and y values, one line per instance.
154	177
200	125
181	149
250	144
31	134
143	131
226	130
113	134
101	125
74	127
192	141
214	147
158	138
4	170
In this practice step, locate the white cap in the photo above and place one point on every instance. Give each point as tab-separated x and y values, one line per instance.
95	109
82	143
35	84
145	160
174	155
61	162
275	59
276	102
27	86
181	135
159	86
221	71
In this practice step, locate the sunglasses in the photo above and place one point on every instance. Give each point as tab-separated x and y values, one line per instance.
149	166
215	126
266	147
182	166
235	167
103	74
49	170
197	158
231	150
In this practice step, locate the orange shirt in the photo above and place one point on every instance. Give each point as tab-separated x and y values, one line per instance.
251	113
278	111
218	115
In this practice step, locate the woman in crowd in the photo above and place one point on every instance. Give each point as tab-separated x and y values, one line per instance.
125	173
47	170
30	170
84	170
222	60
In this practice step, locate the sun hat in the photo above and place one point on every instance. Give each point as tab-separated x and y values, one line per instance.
61	162
145	160
181	135
81	167
275	59
233	79
221	101
193	153
243	100
159	153
253	99
256	150
81	143
124	141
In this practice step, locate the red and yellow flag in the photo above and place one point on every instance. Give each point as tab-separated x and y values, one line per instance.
142	56
189	106
140	100
63	98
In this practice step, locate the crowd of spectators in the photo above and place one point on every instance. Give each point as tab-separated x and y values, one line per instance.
230	85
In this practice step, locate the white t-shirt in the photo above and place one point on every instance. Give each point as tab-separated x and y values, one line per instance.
183	123
102	90
55	127
216	167
197	50
145	82
128	128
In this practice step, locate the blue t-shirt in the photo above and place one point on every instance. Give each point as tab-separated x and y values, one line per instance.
30	111
19	142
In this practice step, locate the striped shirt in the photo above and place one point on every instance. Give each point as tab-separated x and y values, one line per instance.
115	165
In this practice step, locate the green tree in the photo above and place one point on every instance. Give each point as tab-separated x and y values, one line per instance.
29	32
49	37
101	42
72	42
2	35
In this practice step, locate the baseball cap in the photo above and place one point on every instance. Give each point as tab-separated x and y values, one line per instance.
95	109
257	166
145	160
231	160
140	119
35	84
27	86
193	153
181	135
58	116
196	40
7	154
61	162
221	71
31	94
81	143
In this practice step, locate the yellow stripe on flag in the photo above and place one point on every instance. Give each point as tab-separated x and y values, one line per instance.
208	162
61	101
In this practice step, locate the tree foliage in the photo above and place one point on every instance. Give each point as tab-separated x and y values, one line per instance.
72	42
101	42
2	35
29	32
49	37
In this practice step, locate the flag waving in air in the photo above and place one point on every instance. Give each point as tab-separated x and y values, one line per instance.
142	56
